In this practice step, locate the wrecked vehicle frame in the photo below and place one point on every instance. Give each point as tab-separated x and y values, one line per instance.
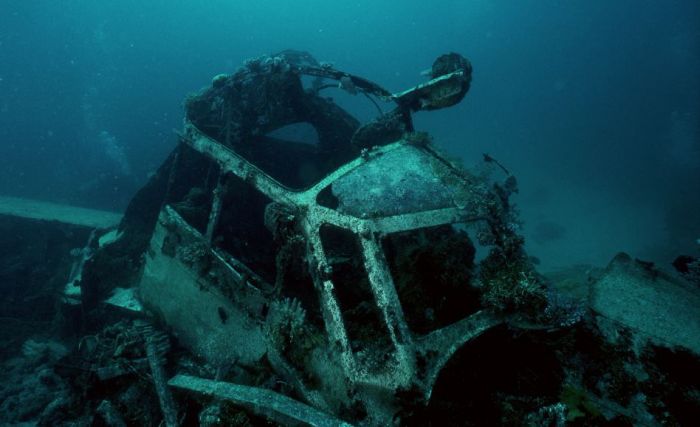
388	180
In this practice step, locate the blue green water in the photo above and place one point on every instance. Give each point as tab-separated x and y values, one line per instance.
594	106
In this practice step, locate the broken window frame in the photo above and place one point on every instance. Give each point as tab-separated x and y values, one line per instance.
434	348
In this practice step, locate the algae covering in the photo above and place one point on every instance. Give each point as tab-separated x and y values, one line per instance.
363	279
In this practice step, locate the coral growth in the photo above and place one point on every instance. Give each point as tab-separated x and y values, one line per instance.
30	391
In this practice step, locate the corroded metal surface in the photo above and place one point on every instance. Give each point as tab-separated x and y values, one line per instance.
401	368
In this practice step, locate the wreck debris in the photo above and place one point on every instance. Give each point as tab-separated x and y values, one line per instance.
156	346
451	78
46	211
277	407
72	291
450	339
623	294
126	300
30	389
